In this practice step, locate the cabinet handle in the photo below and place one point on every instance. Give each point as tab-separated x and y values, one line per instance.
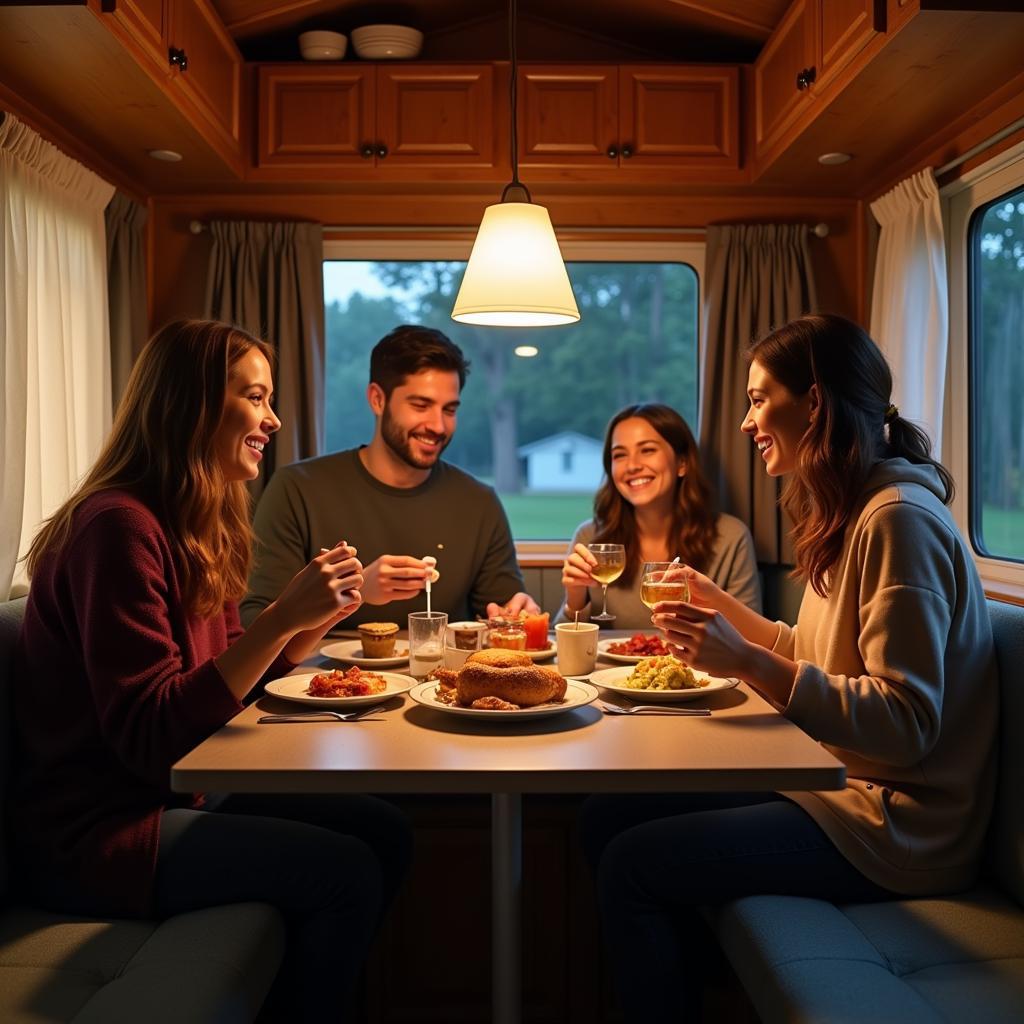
805	78
627	150
367	151
179	57
382	150
612	152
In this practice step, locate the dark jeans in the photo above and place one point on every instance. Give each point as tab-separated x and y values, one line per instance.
658	858
330	864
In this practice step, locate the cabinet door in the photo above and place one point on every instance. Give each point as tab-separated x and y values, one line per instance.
568	116
679	117
212	79
145	24
435	115
791	50
316	118
846	27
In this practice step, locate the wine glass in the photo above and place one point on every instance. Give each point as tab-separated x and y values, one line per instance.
663	581
611	560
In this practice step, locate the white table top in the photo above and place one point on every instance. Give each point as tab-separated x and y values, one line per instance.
744	745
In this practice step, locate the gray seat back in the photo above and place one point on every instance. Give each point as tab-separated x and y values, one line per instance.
1006	835
11	614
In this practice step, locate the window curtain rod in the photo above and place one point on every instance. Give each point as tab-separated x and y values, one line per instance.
197	227
980	147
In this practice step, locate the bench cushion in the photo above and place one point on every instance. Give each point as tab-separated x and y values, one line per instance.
211	965
919	961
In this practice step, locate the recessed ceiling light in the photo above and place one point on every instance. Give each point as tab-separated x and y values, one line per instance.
167	155
526	351
831	159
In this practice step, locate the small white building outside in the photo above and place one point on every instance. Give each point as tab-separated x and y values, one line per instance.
562	462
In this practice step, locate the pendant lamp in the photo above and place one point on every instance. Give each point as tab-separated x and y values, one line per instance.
515	276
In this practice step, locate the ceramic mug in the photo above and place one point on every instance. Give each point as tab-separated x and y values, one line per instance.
576	643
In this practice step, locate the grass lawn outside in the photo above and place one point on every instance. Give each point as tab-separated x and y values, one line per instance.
1002	532
547	515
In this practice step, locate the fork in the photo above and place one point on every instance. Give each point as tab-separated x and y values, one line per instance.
317	716
662	709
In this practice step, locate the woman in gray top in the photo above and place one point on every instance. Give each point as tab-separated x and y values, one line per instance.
656	501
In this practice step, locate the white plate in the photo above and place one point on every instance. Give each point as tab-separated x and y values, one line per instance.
577	695
351	653
626	659
613	679
295	687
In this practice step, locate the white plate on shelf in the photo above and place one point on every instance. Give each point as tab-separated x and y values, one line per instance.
614	679
294	688
626	659
351	653
577	695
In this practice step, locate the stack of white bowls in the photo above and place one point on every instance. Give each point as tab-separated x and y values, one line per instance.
320	45
387	42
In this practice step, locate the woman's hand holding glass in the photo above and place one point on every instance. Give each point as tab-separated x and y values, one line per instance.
696	634
576	576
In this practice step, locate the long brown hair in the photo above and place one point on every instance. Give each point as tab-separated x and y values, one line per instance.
853	428
694	516
161	449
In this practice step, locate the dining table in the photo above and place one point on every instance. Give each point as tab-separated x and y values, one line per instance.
404	747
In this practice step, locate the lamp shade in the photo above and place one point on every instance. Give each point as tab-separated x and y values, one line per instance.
515	276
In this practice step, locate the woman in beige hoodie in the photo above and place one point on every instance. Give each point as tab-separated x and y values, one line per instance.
890	666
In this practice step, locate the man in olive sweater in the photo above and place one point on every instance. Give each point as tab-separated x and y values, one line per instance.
395	500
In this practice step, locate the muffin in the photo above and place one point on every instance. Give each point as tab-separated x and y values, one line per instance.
378	639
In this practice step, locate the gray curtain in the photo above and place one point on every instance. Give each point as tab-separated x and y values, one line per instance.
268	278
126	287
757	277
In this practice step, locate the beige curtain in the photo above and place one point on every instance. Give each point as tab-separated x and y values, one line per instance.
910	299
757	277
126	287
54	337
268	278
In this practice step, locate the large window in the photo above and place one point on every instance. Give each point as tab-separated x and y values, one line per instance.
997	363
531	423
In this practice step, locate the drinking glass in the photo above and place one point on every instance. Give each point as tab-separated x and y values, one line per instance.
426	642
611	560
663	581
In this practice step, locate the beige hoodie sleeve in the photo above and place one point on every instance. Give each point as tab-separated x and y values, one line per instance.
874	685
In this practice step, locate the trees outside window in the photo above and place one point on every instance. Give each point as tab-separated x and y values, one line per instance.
636	341
997	354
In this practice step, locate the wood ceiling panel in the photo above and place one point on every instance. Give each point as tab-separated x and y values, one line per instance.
714	29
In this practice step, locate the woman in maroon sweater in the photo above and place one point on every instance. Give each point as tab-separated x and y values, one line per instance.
132	653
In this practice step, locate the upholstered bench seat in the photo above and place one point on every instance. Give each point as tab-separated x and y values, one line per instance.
947	960
921	961
212	966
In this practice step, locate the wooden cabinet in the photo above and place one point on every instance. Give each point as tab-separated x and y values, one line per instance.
185	43
372	120
813	43
611	119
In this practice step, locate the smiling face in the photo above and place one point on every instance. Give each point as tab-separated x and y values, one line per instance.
777	419
644	467
417	420
247	420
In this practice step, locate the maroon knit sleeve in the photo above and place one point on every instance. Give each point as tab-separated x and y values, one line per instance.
155	687
280	666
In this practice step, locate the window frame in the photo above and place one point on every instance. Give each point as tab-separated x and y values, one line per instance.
1002	578
408	244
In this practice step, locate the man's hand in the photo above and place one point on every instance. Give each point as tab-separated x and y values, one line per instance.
395	578
513	606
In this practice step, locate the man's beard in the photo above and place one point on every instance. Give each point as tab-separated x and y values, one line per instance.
401	444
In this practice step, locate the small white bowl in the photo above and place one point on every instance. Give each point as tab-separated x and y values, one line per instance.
322	45
387	42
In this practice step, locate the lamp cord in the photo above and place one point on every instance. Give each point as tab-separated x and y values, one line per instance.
515	183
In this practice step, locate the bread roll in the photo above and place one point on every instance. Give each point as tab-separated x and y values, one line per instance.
509	675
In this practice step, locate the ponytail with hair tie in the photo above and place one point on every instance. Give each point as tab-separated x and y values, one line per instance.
891	413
